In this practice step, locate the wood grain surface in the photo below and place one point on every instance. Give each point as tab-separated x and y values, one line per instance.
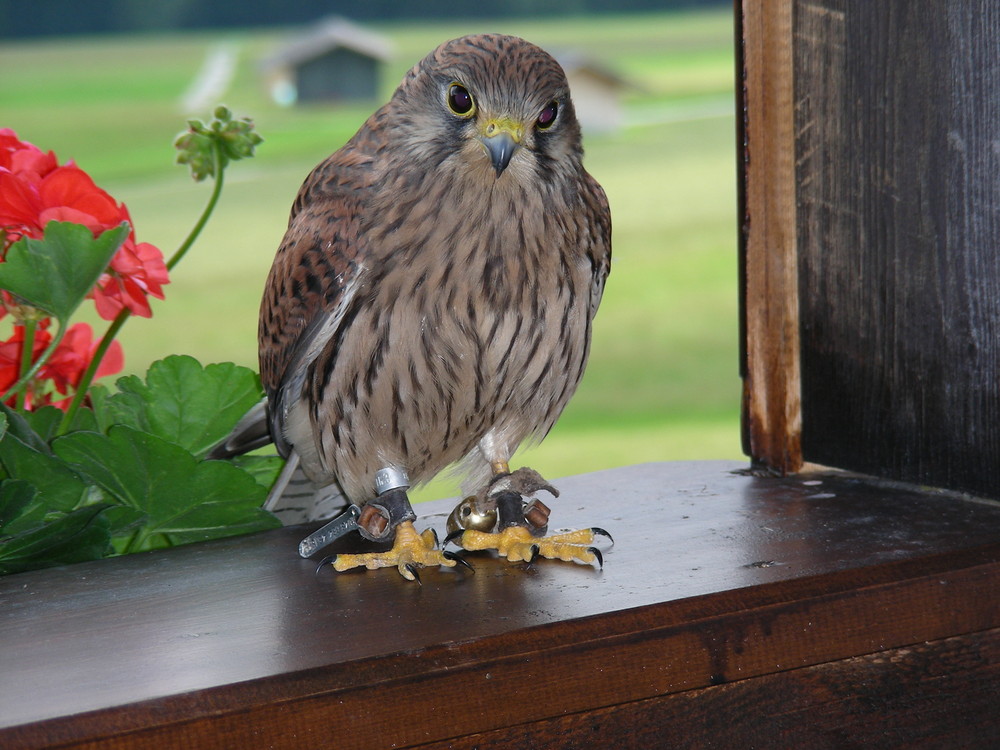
897	110
716	577
769	302
892	699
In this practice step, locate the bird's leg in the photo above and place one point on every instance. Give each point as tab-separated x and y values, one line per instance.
390	517
521	523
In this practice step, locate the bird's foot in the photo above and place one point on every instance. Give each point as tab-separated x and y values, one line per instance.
518	543
410	551
501	518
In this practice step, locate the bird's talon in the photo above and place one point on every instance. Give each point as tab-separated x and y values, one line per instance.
598	555
328	560
597	530
409	572
430	538
449	555
453	536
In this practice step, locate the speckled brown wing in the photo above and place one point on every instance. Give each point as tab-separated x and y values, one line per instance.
314	274
598	238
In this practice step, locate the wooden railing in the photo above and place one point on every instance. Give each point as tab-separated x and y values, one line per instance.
732	611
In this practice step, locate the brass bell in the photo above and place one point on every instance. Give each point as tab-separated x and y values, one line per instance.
466	516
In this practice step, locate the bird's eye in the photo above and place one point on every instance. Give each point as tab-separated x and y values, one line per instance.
460	100
548	115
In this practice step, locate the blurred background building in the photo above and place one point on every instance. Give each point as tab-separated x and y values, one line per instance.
333	60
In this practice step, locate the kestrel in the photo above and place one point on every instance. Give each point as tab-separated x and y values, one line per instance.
432	302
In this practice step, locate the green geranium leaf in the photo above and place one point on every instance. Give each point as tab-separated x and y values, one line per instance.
22	508
74	537
45	421
108	412
126	524
56	272
183	499
18	504
122	408
183	402
264	469
60	488
19	427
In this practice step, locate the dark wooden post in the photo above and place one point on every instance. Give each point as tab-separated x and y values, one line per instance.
891	135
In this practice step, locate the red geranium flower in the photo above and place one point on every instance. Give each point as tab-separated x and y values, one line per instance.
10	354
23	158
68	194
64	368
135	271
34	190
65	194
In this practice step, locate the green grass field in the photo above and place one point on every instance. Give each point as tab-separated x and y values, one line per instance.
663	377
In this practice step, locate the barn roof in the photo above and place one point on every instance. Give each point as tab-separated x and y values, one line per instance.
326	35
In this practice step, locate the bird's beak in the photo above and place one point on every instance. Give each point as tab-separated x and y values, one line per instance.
501	138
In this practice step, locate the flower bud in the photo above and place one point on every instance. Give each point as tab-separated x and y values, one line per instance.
234	139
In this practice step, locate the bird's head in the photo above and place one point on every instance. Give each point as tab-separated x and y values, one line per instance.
492	104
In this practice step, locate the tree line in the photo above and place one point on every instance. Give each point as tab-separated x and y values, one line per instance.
20	19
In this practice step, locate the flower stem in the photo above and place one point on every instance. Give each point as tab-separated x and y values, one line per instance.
27	349
88	375
22	384
138	537
206	213
125	313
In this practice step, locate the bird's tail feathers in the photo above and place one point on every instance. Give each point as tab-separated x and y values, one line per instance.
251	432
294	498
